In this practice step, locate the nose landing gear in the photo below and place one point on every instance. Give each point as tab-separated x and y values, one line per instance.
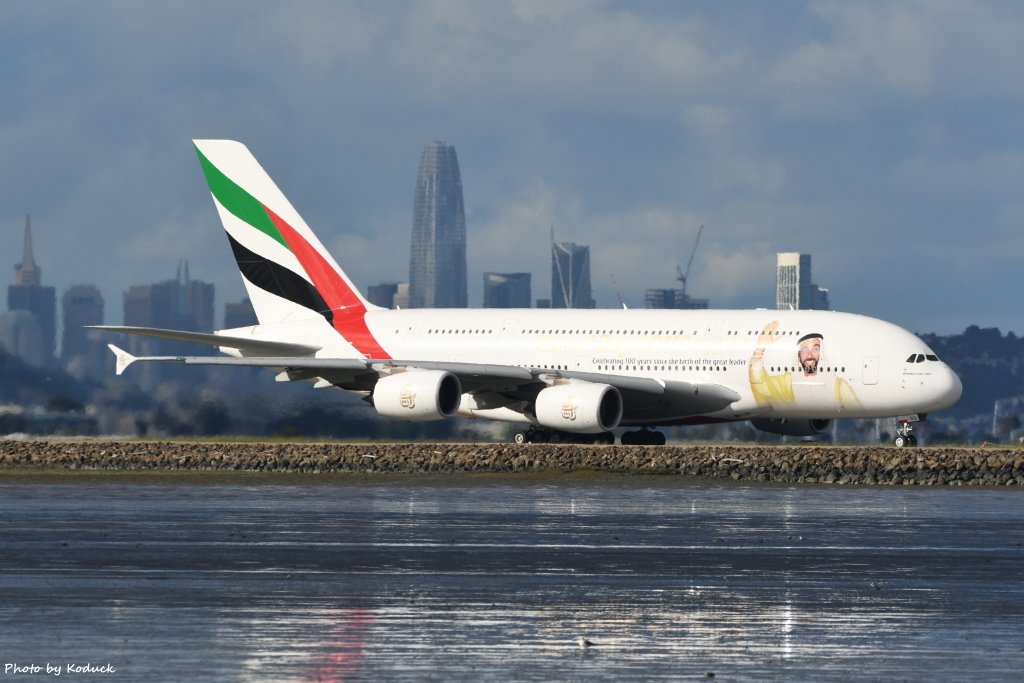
905	433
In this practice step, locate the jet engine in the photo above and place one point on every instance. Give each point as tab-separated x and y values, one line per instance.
788	427
582	407
418	395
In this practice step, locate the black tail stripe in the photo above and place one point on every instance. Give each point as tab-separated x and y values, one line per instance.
278	280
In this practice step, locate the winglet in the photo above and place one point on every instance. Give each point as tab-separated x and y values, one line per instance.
124	359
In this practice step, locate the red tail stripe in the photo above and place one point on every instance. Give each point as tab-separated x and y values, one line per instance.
348	310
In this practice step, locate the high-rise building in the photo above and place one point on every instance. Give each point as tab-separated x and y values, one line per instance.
672	298
21	336
570	275
794	288
82	352
401	299
506	290
382	294
437	260
28	294
178	304
239	314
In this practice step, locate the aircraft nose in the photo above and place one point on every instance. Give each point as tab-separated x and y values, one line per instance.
948	388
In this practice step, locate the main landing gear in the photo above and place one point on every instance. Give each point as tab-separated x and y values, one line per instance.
905	434
541	435
643	437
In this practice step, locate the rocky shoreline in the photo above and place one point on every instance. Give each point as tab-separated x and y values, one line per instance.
811	464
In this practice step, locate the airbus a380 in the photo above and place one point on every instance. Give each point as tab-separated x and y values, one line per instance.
560	373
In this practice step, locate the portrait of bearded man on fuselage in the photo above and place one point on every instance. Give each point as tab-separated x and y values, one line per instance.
809	353
785	387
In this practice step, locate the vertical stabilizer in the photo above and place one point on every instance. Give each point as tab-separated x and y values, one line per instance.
287	271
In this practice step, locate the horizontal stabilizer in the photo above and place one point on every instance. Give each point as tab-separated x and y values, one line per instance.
245	344
124	359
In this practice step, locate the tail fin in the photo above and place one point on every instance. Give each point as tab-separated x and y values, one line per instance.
284	266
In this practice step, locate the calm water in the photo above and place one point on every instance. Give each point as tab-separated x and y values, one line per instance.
491	578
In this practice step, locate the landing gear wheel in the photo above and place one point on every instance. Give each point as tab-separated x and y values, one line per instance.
904	434
520	437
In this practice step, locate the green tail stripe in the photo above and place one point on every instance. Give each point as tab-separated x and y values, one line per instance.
238	201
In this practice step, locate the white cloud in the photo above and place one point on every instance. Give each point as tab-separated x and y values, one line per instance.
886	45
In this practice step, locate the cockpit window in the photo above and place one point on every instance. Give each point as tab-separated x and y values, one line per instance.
912	357
932	356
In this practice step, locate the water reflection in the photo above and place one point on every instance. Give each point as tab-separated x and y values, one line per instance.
470	580
346	643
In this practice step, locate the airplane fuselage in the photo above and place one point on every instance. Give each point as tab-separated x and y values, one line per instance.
865	367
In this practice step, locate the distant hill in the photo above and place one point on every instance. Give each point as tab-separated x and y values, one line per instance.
990	364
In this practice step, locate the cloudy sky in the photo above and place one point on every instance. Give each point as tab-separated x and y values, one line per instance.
884	138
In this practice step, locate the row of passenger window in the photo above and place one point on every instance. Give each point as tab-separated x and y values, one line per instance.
658	368
641	333
689	369
827	368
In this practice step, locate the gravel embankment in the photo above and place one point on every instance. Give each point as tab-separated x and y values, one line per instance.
803	464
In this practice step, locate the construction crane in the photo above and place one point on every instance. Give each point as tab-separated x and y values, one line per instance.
677	298
680	275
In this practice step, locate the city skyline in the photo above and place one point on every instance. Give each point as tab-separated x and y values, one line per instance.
882	138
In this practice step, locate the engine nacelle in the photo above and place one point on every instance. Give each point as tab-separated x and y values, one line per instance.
583	408
418	395
787	427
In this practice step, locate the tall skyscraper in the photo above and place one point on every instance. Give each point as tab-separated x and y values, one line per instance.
570	275
82	352
28	294
506	290
437	260
794	288
178	304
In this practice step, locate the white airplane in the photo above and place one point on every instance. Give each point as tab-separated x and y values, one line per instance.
563	374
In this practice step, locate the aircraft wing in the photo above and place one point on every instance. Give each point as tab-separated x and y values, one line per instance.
641	395
251	345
